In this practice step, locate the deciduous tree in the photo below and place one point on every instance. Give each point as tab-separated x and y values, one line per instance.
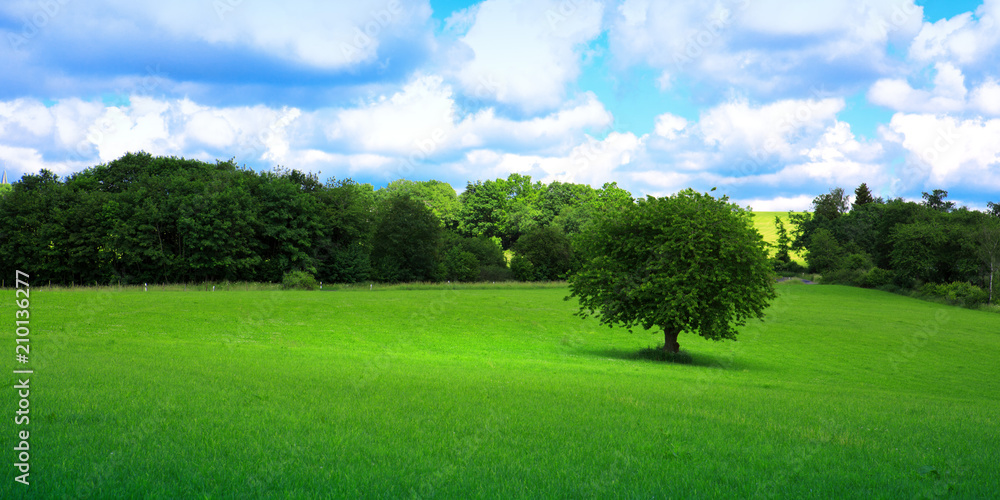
687	262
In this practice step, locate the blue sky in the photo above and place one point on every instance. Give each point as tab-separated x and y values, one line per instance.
771	101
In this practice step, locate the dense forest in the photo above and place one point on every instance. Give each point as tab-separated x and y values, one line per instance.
150	219
145	219
931	248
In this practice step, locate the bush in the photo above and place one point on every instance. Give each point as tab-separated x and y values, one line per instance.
877	278
495	273
549	252
299	280
958	293
852	277
963	294
523	269
790	267
461	266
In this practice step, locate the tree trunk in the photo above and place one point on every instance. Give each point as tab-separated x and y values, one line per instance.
993	272
670	340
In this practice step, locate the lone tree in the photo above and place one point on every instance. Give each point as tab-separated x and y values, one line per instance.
687	262
862	196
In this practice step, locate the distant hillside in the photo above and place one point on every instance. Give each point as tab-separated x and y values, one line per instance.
764	222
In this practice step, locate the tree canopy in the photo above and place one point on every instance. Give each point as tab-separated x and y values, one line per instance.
141	218
931	248
687	262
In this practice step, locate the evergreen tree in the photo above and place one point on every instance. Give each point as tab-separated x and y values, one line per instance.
862	196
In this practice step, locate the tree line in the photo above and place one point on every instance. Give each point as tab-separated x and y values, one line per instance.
932	247
146	219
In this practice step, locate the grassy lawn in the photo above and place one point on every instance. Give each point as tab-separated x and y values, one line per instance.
500	393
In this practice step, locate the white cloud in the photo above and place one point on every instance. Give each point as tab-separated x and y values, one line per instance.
28	115
964	39
986	98
400	123
329	35
669	125
30	160
590	161
949	94
945	151
772	129
421	120
523	53
766	47
398	135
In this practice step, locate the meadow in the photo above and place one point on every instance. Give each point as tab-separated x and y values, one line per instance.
483	392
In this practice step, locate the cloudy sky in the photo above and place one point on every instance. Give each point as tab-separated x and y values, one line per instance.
772	101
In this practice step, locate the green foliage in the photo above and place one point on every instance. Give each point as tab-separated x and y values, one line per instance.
936	200
852	270
492	208
406	241
908	243
461	265
830	206
877	278
825	253
689	262
988	250
522	269
494	273
993	208
958	293
862	196
299	280
465	258
141	218
783	244
548	254
438	196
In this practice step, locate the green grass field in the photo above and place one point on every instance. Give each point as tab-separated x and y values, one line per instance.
764	222
500	393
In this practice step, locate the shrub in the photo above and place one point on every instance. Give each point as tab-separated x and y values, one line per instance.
300	280
958	293
462	266
963	294
523	269
842	276
877	278
790	267
495	273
